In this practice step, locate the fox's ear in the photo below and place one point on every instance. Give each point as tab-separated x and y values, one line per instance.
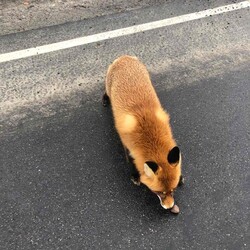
150	168
174	155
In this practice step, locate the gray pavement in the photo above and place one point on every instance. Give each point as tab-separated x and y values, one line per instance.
64	182
23	15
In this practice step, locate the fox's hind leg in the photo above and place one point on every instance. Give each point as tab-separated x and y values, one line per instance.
105	100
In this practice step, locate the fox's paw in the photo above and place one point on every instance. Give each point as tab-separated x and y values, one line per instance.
135	180
181	181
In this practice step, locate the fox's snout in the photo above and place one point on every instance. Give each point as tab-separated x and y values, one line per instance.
167	202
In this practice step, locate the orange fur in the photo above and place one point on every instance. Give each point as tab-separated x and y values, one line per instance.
142	124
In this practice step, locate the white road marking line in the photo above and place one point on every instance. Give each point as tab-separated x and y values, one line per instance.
120	32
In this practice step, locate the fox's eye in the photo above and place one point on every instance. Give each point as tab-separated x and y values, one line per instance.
164	192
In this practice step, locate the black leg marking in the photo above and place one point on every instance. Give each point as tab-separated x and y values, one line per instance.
105	100
135	176
126	154
136	179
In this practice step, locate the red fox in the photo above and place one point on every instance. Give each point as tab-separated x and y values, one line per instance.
143	127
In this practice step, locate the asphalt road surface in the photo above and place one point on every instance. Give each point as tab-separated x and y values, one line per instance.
64	181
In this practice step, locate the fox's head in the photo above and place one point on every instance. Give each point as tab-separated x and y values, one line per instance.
163	176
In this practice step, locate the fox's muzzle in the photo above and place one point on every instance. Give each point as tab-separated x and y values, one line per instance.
167	202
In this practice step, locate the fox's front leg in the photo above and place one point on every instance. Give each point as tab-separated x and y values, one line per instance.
135	176
127	156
